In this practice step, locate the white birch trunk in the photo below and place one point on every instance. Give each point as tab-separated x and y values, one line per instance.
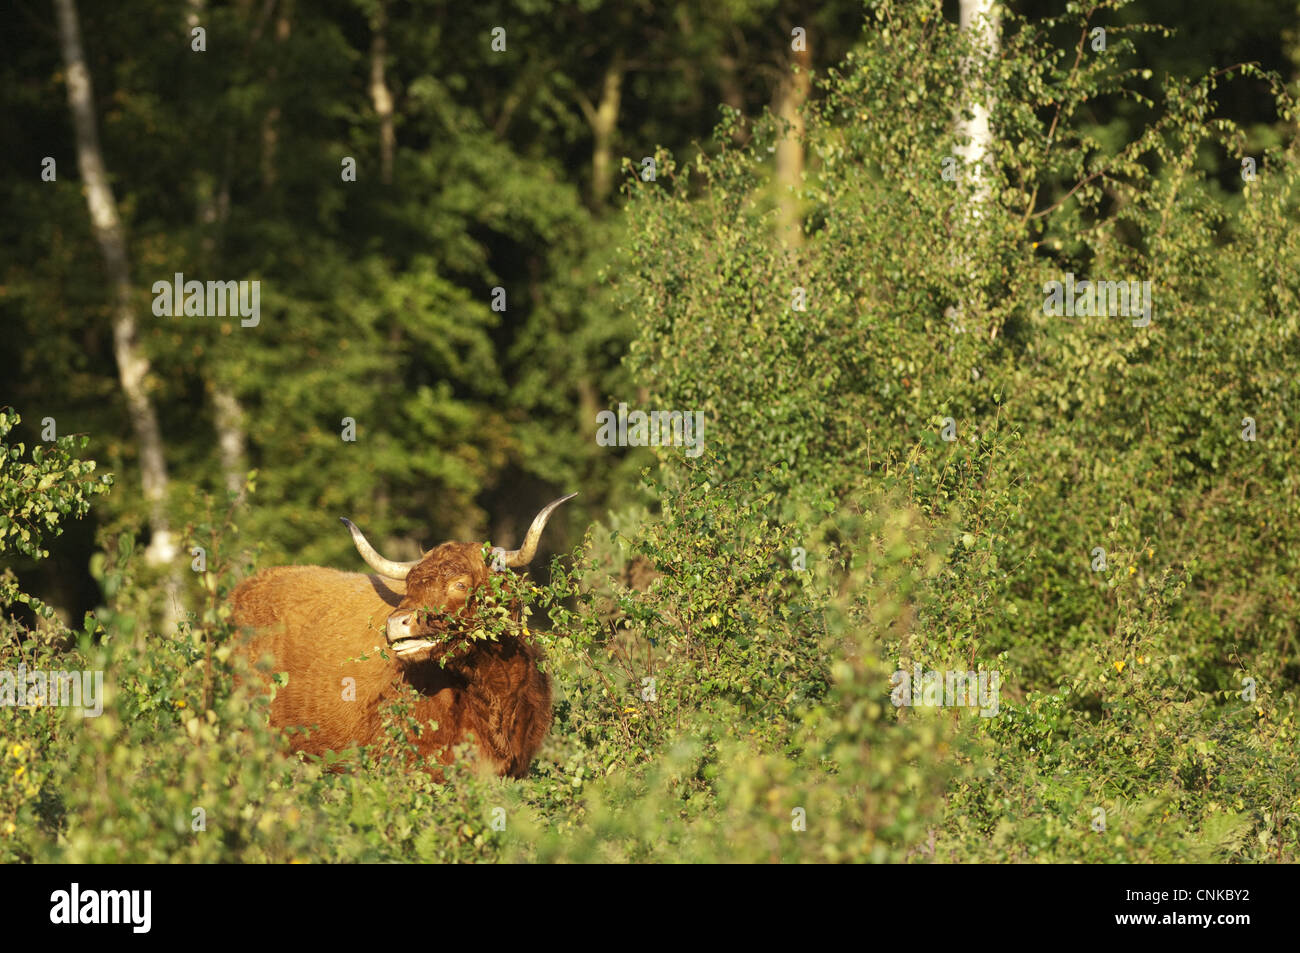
132	363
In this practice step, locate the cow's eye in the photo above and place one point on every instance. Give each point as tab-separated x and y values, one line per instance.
460	586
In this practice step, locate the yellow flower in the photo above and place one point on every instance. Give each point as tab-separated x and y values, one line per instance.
22	769
1142	659
1151	554
1119	666
180	704
1132	570
9	828
17	751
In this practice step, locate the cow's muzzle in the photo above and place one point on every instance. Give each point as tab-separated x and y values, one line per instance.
402	639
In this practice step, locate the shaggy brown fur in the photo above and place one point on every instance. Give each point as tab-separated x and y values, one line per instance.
317	622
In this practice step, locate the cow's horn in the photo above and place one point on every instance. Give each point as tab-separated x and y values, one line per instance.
385	567
515	558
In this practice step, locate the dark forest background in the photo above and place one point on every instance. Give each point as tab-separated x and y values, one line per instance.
502	170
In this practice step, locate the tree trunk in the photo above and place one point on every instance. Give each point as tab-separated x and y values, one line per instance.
132	363
603	120
228	417
271	121
213	209
227	412
380	95
791	96
983	18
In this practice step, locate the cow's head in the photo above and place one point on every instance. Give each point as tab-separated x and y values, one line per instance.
440	586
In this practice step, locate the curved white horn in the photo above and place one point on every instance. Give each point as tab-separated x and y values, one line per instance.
515	558
385	567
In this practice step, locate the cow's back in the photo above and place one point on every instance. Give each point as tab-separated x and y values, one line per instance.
317	624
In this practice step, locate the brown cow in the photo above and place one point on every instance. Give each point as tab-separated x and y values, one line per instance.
317	623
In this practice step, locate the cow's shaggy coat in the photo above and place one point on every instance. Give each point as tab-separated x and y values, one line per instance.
318	624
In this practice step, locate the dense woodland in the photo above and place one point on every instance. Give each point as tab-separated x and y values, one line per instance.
828	229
